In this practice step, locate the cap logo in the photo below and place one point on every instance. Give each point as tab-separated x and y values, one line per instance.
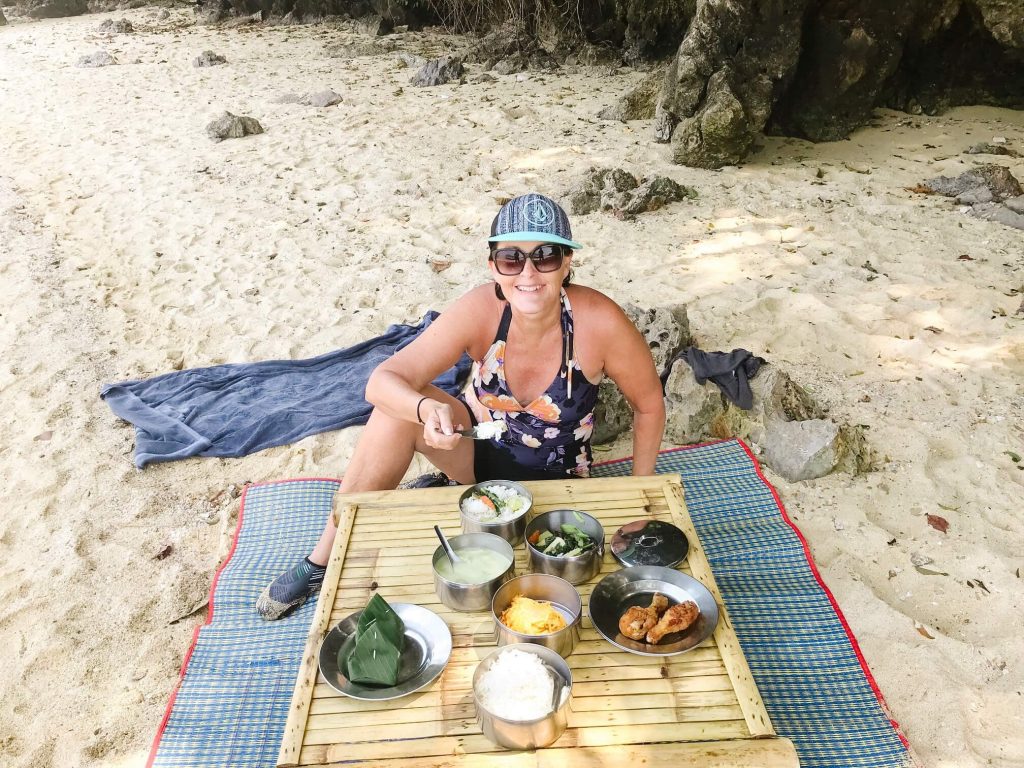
539	213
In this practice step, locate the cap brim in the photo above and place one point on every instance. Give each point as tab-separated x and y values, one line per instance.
533	237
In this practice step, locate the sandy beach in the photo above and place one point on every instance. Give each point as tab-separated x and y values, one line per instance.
131	244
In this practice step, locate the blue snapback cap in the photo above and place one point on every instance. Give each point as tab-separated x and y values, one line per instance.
532	217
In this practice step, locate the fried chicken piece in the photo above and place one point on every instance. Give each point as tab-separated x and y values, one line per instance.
676	619
637	621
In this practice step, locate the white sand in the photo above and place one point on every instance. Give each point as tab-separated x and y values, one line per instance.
130	243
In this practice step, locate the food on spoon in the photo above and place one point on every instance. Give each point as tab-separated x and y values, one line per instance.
379	639
532	617
676	619
489	430
495	503
569	541
476	565
637	621
516	686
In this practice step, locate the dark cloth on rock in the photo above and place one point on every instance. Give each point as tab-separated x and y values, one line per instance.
730	371
238	409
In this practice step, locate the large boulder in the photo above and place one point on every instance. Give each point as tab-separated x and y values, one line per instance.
818	68
785	426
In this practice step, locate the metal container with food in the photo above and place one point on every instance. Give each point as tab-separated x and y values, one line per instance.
522	693
550	545
538	609
472	585
498	507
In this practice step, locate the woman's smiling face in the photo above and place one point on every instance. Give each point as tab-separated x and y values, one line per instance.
531	291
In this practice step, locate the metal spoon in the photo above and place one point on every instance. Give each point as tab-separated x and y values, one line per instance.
452	557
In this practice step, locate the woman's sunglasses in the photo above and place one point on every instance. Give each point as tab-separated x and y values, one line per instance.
545	258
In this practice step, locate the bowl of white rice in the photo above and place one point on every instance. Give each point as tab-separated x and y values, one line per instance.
522	692
498	507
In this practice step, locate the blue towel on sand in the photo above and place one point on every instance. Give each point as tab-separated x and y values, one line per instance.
237	409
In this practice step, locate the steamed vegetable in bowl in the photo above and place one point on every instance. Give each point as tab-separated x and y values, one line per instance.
568	541
495	502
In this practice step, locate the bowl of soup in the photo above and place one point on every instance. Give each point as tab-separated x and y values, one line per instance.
486	562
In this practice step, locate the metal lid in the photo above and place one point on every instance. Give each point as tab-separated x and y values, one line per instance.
649	542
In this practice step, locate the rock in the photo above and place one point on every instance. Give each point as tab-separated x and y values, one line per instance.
229	126
638	104
652	195
991	149
121	26
439	71
776	398
484	77
693	412
983	184
362	48
410	60
98	59
3	19
510	66
620	193
597	187
55	9
208	59
321	99
666	330
802	450
374	24
1000	213
163	14
591	55
805	450
1015	204
721	133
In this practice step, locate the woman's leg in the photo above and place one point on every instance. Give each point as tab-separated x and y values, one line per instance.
384	453
381	458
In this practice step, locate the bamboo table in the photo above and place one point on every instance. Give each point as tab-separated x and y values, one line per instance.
700	707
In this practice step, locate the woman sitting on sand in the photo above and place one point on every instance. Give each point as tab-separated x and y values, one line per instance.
541	346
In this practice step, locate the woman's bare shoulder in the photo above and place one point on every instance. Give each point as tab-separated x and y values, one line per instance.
594	306
478	313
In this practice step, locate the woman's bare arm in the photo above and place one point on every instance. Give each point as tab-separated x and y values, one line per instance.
628	362
396	385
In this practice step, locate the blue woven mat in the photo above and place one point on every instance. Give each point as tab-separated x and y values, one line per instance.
231	704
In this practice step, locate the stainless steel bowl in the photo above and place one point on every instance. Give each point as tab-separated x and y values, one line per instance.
539	586
575	570
526	734
472	597
510	530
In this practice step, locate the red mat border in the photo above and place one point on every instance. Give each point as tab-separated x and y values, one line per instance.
757	467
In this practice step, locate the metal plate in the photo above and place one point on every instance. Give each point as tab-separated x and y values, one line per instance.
649	542
428	645
619	591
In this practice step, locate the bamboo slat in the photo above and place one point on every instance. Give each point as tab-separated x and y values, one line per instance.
624	707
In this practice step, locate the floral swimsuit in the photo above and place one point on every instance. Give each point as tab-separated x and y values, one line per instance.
548	438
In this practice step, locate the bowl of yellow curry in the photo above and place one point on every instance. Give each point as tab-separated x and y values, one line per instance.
538	608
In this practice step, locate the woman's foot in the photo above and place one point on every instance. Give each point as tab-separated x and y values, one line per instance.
290	590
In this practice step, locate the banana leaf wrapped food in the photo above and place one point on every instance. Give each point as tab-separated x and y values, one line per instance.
379	638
